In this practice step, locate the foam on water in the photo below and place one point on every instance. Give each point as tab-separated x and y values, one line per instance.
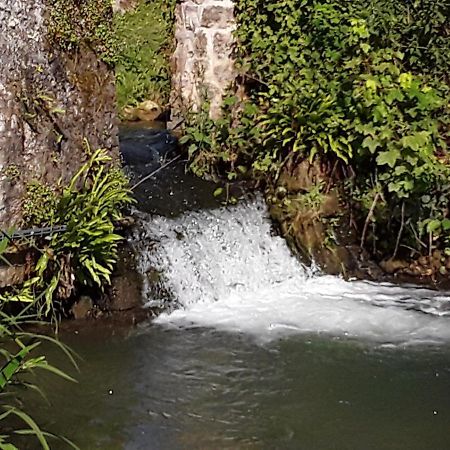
226	269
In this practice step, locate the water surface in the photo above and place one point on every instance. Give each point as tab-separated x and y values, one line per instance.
207	389
255	351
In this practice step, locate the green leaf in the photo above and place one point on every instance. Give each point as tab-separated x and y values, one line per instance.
433	225
371	143
389	157
416	141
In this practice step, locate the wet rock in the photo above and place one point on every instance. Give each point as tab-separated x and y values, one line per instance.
125	292
147	111
142	149
302	176
393	265
82	308
312	219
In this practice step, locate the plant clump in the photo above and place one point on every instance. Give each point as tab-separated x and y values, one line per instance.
75	24
144	36
85	253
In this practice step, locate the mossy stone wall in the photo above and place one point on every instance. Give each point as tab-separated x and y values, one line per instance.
55	91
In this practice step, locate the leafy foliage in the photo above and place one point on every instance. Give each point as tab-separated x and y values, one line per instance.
86	252
144	38
360	83
19	356
39	204
74	24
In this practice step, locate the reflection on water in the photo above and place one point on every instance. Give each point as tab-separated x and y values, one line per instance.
204	389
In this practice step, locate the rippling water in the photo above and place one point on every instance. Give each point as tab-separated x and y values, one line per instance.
170	389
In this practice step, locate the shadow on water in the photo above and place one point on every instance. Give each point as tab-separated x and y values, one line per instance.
171	191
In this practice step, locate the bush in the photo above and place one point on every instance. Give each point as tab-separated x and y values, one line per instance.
362	84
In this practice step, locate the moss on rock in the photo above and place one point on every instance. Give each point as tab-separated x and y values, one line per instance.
73	24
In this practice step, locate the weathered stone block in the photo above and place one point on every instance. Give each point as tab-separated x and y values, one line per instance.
201	44
222	43
202	61
217	16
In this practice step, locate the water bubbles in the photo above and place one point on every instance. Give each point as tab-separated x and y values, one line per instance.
228	271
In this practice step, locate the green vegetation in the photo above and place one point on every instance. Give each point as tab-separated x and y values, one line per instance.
137	43
362	86
19	358
74	24
86	252
144	38
39	204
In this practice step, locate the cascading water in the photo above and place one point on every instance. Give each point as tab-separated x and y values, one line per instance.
226	269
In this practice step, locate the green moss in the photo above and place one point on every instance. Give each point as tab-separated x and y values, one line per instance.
11	172
145	45
72	24
39	204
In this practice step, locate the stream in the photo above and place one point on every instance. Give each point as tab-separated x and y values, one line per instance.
256	351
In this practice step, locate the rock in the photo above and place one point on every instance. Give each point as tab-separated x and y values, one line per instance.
330	205
203	64
12	275
145	149
423	261
437	254
51	99
217	16
393	265
125	292
82	308
302	177
147	111
122	6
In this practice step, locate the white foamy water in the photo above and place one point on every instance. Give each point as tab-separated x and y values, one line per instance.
227	270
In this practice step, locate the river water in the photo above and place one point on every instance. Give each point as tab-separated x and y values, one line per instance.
256	351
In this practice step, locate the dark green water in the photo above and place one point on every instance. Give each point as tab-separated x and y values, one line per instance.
202	389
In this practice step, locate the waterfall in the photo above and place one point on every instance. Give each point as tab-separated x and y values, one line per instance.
226	268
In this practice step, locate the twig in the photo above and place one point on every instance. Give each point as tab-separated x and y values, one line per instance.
155	172
330	180
417	237
400	232
369	216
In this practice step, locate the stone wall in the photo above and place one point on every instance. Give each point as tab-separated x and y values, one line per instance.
122	6
202	62
50	101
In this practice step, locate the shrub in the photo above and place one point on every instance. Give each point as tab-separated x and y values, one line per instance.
362	84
